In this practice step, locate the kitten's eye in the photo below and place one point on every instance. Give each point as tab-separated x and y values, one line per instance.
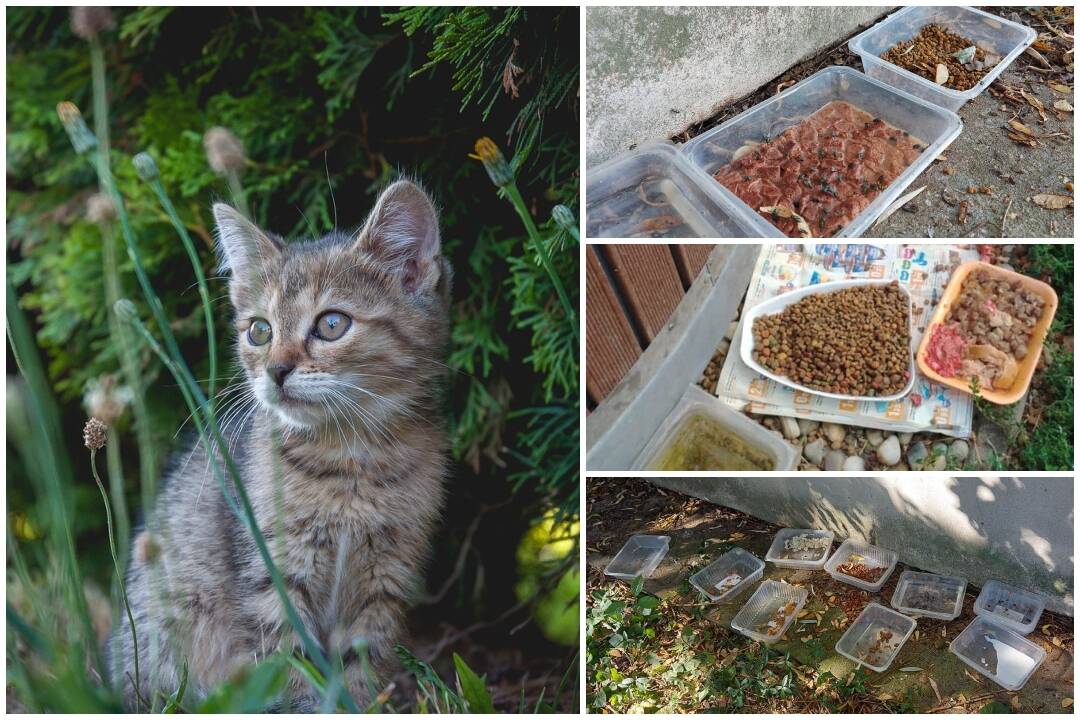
332	325
259	332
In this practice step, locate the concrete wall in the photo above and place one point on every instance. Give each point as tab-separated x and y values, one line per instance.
1019	530
651	72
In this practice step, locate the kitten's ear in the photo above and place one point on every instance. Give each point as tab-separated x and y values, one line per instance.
242	246
402	233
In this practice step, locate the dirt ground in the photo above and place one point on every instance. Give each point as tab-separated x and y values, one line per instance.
1005	173
925	676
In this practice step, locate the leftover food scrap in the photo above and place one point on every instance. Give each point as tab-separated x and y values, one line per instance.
942	57
857	568
823	171
855	341
808	545
773	624
729	582
986	332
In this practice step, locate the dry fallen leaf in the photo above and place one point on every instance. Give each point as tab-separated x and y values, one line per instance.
911	669
1067	702
962	213
949	170
934	687
1052	202
1063	106
897	205
1034	102
1061	88
1069	186
1020	127
941	76
1023	139
781	211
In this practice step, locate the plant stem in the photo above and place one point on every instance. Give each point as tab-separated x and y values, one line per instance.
534	234
119	579
200	277
115	470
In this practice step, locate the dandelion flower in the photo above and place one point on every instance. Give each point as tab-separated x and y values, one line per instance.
81	137
223	150
87	22
94	434
100	208
495	163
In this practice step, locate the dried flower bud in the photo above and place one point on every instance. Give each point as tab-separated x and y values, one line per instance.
223	150
95	434
82	139
100	208
145	167
125	309
564	218
497	168
87	22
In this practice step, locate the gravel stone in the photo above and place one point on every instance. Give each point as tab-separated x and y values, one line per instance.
875	437
835	434
888	452
959	451
815	451
835	460
790	426
854	463
917	455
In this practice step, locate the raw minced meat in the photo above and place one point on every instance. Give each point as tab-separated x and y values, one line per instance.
827	168
946	350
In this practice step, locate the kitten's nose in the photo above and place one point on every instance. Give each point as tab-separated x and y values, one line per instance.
280	371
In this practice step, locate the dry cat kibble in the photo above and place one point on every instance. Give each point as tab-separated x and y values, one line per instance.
855	341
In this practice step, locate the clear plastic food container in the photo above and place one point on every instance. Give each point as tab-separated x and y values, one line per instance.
875	638
929	123
997	652
1007	605
870	556
769	611
638	557
994	35
728	575
783	556
777	304
929	594
702	428
1026	367
655	192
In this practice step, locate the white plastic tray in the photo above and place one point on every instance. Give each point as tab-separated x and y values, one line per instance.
989	32
638	557
736	560
856	643
1008	605
782	557
696	208
767	600
874	555
1004	656
778	303
783	455
926	121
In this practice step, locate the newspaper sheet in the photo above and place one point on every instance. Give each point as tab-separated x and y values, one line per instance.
923	269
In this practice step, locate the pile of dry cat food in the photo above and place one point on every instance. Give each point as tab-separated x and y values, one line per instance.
986	332
942	57
816	176
855	341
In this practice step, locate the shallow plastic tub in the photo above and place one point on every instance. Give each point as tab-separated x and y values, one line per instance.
872	556
933	125
771	597
875	638
1026	367
991	33
697	409
1008	605
655	192
639	557
781	556
777	304
929	594
1004	656
713	581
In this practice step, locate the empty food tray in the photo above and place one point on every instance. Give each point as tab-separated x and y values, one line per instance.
876	636
730	574
638	557
1004	656
936	596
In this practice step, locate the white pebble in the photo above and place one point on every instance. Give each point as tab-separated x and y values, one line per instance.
854	463
815	451
888	452
875	437
835	434
835	460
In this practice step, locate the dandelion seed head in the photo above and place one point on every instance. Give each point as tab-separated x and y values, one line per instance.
223	150
100	208
95	434
107	400
87	22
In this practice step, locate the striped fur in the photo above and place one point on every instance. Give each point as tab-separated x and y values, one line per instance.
344	464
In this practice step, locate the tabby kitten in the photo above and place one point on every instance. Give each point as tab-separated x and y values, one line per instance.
337	442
